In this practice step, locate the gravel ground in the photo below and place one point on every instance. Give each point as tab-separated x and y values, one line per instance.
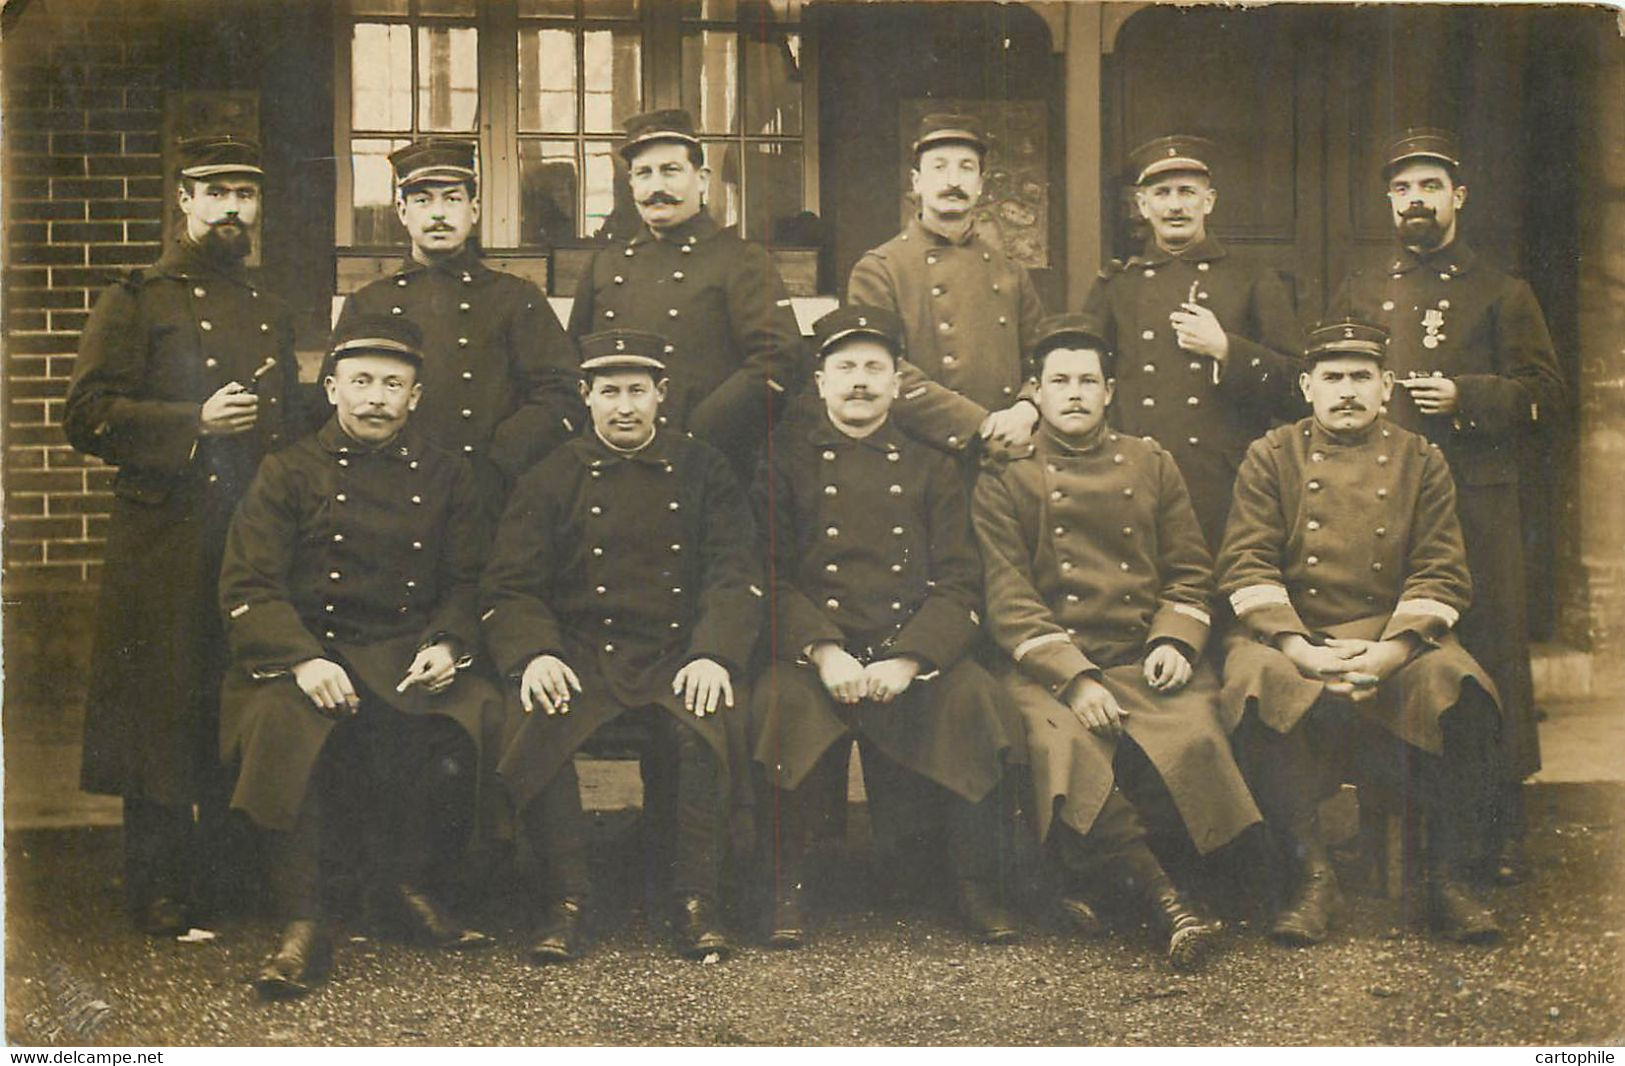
869	977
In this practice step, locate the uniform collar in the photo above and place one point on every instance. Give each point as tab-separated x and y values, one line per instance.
1320	437
699	228
918	231
408	444
185	258
595	453
1454	258
1203	251
466	264
1052	443
825	434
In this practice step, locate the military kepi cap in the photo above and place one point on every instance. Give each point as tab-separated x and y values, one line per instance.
1176	152
1077	329
856	320
671	124
1421	142
389	335
1351	336
208	157
623	349
443	159
944	128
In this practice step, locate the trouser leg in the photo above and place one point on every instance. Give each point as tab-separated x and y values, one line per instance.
1087	859
294	862
421	770
1464	786
556	827
979	841
700	809
157	838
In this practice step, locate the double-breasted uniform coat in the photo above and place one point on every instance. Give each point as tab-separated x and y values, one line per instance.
499	373
1450	313
627	566
969	312
1204	415
1346	536
734	345
870	546
360	555
159	343
1092	557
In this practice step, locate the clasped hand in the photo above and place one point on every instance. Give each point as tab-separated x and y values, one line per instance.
849	681
1350	667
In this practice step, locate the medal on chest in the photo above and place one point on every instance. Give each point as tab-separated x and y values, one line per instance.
1433	325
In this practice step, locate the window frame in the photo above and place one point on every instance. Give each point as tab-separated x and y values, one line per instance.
497	131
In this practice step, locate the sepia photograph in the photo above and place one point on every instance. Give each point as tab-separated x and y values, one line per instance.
812	523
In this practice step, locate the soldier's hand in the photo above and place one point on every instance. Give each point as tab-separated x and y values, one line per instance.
1012	428
546	683
1433	396
328	687
703	684
1326	662
232	409
434	667
890	678
1374	661
842	675
1197	330
1095	707
1166	669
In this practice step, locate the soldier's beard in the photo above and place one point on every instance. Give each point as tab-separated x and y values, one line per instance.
1420	231
227	242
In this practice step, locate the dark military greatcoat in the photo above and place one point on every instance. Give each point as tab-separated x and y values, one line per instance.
1346	537
1205	416
160	343
969	313
627	567
734	344
361	556
870	547
499	374
1093	557
1452	314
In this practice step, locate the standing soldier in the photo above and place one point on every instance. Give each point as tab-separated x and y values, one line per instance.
1206	343
732	338
1343	562
968	309
1477	375
499	380
185	375
876	586
1098	588
350	581
624	582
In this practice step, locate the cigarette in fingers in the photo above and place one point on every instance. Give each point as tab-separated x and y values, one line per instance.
1190	297
265	367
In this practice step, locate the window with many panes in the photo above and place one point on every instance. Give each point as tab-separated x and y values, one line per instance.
543	87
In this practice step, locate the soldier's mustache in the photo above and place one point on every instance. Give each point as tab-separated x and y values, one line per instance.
1418	211
1351	405
954	192
660	198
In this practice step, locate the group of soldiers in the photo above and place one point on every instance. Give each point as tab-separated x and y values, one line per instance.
1100	565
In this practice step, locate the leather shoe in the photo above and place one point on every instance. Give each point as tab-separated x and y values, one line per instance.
301	962
428	923
1080	918
1191	936
1458	916
562	937
164	916
1308	916
788	928
699	929
984	911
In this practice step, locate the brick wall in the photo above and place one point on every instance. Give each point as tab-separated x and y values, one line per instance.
83	191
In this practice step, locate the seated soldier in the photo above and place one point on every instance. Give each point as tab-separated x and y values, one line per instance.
1097	586
875	588
349	587
624	582
1344	564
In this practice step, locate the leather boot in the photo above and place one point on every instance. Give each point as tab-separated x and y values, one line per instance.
428	923
301	962
1079	917
1191	935
562	936
1457	914
1307	917
983	909
699	929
